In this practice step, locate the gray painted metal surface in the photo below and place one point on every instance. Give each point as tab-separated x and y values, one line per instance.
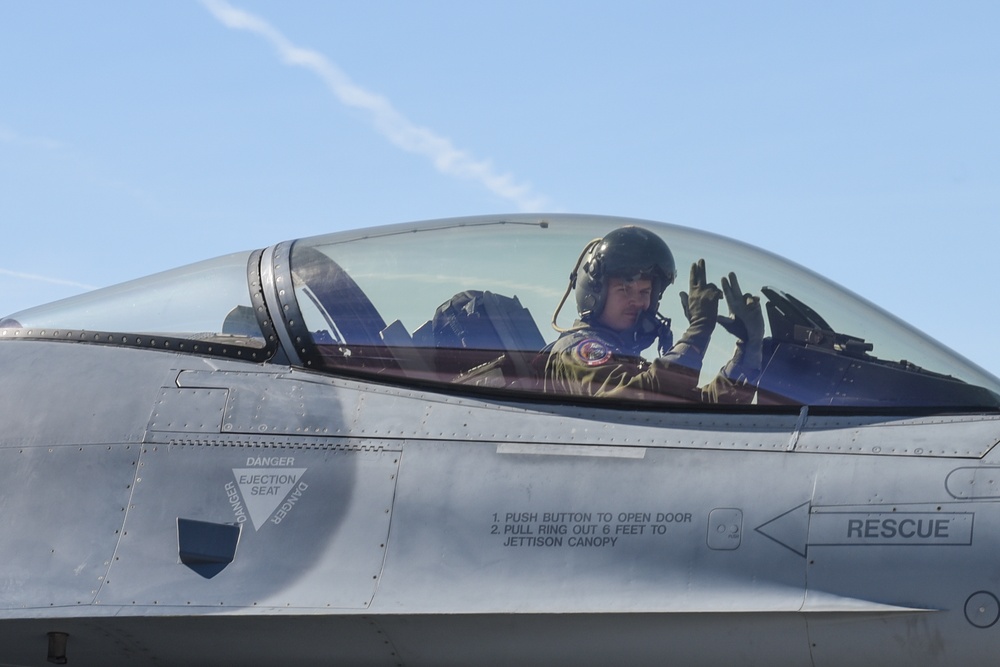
391	526
201	508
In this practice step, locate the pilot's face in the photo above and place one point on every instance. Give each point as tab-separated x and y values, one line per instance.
626	299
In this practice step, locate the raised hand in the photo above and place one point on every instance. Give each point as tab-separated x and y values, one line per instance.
745	320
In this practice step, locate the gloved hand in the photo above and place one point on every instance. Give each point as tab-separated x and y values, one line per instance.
701	307
745	321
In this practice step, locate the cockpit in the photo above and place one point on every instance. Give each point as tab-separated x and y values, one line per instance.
471	305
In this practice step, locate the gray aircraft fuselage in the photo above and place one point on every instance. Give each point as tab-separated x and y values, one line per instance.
237	504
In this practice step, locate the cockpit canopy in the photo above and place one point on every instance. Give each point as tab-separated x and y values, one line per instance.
468	304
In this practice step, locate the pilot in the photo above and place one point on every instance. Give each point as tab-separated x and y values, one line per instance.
619	281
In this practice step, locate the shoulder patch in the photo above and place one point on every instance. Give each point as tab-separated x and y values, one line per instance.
592	352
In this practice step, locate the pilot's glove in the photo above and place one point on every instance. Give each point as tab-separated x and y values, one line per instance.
746	322
701	307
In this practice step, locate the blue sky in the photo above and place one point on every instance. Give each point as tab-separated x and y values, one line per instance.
860	139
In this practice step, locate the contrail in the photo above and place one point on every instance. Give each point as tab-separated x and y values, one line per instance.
390	123
45	279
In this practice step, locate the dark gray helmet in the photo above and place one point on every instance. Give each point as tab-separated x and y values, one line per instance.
629	253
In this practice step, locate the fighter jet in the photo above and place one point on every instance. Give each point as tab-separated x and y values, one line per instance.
349	449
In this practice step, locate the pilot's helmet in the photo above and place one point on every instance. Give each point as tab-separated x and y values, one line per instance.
627	252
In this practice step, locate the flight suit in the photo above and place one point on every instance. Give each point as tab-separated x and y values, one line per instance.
592	360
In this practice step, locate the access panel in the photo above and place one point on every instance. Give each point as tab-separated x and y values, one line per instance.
255	522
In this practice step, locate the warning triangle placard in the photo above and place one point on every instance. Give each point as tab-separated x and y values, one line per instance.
263	489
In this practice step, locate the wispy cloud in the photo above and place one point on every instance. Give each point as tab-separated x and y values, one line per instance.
45	279
8	136
387	120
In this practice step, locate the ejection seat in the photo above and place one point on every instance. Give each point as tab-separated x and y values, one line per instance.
484	339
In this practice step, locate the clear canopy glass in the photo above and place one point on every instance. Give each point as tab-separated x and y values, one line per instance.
471	303
208	300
